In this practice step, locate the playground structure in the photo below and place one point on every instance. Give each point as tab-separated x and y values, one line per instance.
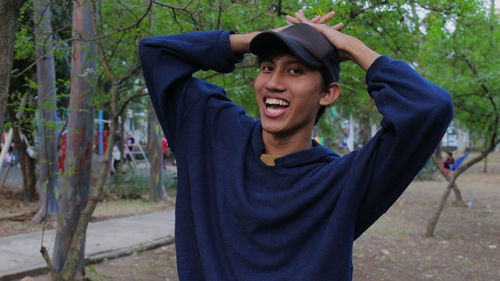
132	151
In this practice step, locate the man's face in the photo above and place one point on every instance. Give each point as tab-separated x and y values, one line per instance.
288	94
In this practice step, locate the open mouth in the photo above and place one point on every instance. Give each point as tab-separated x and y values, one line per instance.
276	106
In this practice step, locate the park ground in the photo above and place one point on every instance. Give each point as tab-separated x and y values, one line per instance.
466	245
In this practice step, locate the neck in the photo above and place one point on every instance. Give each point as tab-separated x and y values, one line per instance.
284	145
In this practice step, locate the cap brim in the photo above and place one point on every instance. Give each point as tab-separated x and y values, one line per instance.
270	41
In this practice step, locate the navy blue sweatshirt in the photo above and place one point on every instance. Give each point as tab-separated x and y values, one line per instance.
239	219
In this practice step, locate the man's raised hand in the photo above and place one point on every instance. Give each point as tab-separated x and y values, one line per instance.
301	18
348	47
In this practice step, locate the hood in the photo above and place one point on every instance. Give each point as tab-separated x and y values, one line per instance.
317	153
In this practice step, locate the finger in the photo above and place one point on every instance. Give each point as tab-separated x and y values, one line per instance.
316	19
300	16
338	26
292	19
327	17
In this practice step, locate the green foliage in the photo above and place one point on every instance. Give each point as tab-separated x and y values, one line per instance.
170	181
428	172
134	186
240	16
452	43
463	58
25	41
23	81
24	46
386	26
92	274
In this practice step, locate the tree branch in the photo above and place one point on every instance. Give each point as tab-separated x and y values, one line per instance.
106	65
131	72
219	14
124	28
432	8
47	259
139	93
396	49
175	7
100	49
355	14
184	9
442	171
39	59
492	144
219	73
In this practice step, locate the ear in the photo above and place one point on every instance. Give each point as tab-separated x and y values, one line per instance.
330	94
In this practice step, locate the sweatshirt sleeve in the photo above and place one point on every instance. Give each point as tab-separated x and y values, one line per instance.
168	63
416	114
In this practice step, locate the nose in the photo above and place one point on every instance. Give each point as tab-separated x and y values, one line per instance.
275	82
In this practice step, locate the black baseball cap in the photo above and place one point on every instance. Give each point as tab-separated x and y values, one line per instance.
305	42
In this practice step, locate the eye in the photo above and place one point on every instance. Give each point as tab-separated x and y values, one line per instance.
266	68
295	71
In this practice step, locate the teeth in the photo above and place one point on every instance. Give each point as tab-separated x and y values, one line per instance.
275	110
271	101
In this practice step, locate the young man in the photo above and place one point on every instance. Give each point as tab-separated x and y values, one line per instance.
296	217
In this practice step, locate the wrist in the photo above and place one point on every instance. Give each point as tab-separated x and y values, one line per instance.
240	42
362	55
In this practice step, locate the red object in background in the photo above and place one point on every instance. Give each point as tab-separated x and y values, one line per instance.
63	144
62	151
164	144
105	135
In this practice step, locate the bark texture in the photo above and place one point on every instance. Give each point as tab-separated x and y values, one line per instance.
9	10
46	79
76	180
84	19
156	188
27	168
27	163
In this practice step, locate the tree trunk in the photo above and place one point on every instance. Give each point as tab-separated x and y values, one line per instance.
459	200
27	168
84	19
431	226
47	131
28	164
156	188
485	165
119	168
494	141
436	159
8	13
76	181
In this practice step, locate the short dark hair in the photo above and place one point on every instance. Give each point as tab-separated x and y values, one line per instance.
271	55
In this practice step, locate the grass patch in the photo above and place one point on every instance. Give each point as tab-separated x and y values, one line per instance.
129	207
